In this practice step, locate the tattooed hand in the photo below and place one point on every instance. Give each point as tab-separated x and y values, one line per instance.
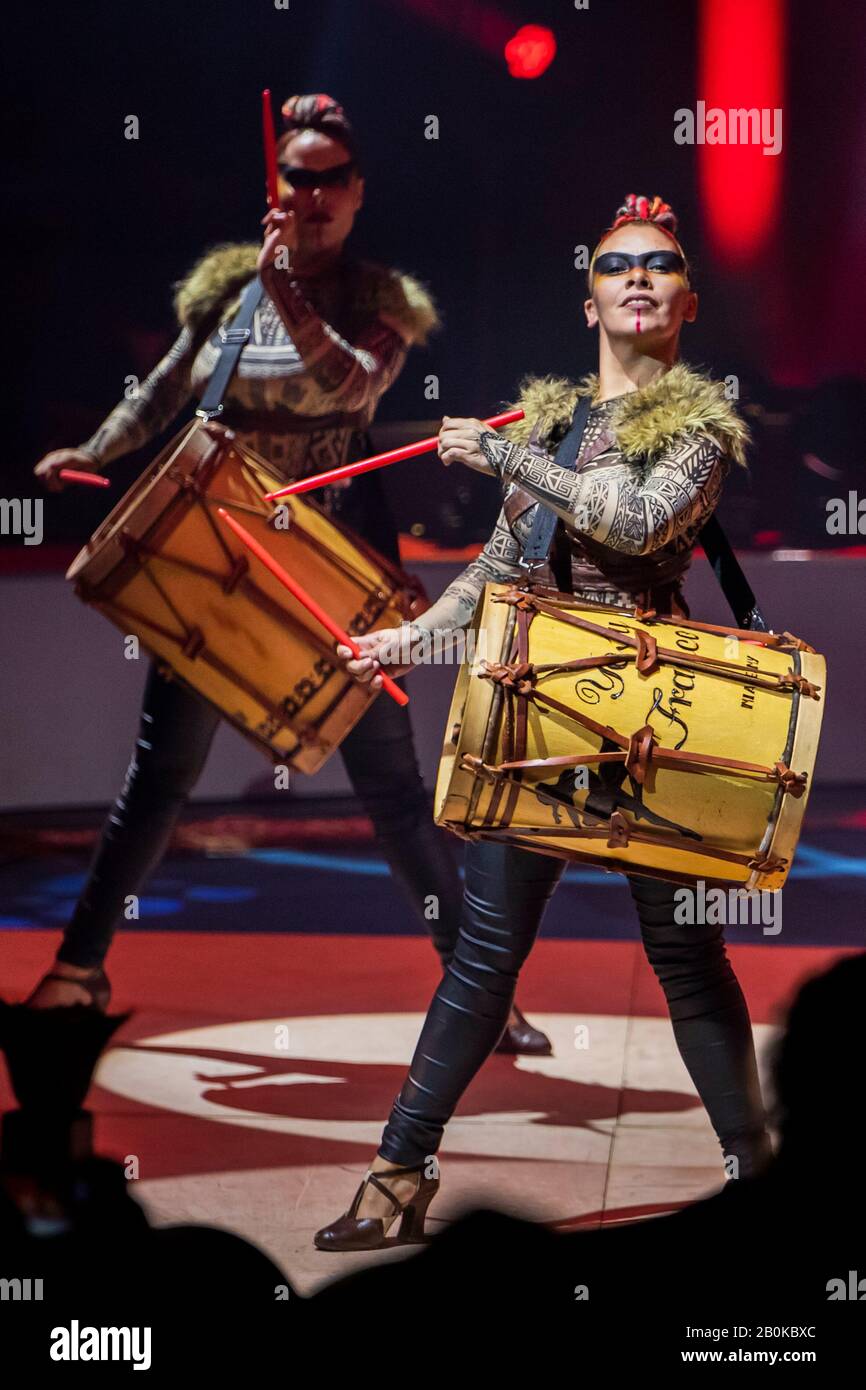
470	442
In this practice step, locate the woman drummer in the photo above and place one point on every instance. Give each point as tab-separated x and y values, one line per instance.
625	534
329	337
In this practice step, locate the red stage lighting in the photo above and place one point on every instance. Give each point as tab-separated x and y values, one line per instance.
742	65
531	51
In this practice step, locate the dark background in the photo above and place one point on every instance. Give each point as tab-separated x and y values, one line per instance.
487	215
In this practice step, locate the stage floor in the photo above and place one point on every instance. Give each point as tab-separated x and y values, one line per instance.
278	990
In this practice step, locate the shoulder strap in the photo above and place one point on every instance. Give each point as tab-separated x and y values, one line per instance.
735	586
538	544
726	566
234	338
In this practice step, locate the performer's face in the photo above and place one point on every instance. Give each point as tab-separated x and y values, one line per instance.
645	303
324	210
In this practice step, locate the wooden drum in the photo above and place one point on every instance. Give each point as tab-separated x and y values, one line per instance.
165	568
642	744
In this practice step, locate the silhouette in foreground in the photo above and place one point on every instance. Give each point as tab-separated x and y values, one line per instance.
785	1249
75	1246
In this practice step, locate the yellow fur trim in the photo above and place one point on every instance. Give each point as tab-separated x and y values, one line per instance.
217	276
398	296
215	281
645	422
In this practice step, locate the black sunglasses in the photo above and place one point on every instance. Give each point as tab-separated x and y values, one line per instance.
337	176
618	262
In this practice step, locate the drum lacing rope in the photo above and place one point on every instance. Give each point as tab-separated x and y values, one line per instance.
642	754
640	750
517	679
617	831
649	654
779	641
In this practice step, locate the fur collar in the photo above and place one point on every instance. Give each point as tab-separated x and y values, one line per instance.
645	422
209	293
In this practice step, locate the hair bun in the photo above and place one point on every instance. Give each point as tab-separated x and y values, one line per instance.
311	108
639	208
318	111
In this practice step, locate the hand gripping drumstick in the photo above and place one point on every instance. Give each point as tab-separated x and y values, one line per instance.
72	475
309	603
408	451
270	143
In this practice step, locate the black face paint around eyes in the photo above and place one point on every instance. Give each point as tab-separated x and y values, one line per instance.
618	262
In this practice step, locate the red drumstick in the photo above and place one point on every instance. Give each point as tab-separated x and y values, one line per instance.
270	143
72	475
408	451
309	603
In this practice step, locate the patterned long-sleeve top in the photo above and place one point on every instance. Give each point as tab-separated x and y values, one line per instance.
626	530
321	353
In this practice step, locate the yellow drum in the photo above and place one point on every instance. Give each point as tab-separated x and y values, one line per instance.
164	568
660	746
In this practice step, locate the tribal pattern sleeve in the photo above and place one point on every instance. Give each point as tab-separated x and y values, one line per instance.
154	403
351	377
496	563
629	510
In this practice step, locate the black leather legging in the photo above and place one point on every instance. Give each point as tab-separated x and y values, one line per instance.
507	890
176	732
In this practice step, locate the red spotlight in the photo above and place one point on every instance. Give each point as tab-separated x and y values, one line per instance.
742	65
531	51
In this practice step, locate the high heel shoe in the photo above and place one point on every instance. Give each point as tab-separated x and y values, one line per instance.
350	1232
97	985
521	1038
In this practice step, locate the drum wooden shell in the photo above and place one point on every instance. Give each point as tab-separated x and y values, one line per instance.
719	694
164	567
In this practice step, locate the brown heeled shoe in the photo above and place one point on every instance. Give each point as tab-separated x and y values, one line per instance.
522	1039
349	1232
97	985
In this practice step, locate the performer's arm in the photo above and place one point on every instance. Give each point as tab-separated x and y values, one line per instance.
351	376
153	405
496	564
633	513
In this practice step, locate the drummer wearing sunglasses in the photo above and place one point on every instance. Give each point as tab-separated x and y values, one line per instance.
329	336
321	193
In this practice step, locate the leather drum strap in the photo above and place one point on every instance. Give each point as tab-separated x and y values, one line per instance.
234	338
537	547
726	567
